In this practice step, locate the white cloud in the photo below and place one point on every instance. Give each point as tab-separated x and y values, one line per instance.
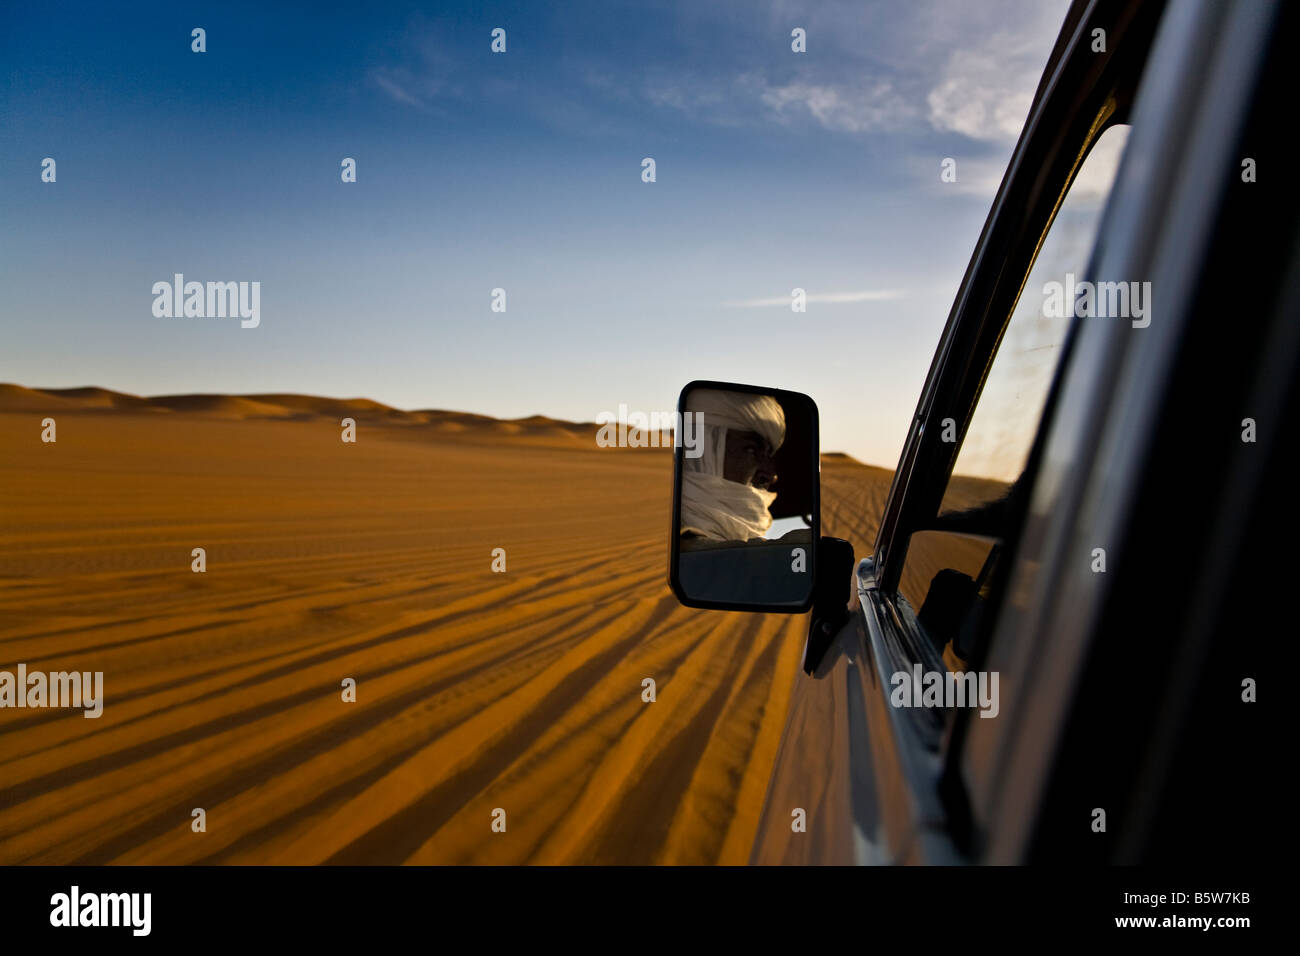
697	97
395	89
893	68
837	106
890	68
974	99
824	298
986	85
750	97
426	67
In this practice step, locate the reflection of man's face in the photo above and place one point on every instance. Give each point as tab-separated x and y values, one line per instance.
748	460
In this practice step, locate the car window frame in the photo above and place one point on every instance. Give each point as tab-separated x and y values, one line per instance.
1012	520
1080	96
1084	97
1079	99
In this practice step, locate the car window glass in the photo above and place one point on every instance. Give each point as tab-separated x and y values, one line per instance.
948	567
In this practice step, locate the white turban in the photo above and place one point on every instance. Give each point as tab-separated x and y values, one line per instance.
712	506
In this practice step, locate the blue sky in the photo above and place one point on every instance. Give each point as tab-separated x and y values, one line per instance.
520	170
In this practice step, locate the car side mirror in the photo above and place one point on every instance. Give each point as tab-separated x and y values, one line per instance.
746	499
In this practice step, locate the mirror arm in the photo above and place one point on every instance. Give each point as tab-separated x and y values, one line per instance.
830	609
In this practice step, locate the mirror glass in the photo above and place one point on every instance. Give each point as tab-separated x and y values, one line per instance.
746	498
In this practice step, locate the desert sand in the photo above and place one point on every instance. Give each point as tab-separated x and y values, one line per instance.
475	690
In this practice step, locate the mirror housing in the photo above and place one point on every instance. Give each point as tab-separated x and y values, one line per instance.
746	499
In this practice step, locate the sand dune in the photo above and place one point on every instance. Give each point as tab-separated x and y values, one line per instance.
222	406
853	499
533	429
16	398
475	690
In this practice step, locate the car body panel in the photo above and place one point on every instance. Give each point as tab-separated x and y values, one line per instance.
862	770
